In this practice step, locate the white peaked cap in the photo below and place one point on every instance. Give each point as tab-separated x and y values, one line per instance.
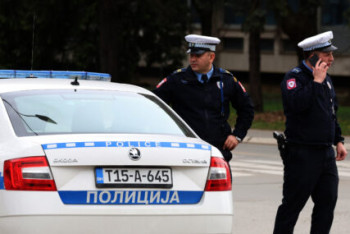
199	44
321	42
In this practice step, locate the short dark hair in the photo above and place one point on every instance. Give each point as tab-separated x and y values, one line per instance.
307	54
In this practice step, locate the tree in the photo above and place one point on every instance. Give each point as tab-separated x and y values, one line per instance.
131	30
210	13
254	21
254	25
298	20
47	34
96	35
205	13
119	53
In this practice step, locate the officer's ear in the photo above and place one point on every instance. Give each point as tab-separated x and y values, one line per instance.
211	56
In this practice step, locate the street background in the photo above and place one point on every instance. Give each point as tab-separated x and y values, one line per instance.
141	42
257	188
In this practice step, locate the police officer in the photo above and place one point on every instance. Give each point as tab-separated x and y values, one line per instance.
310	108
201	94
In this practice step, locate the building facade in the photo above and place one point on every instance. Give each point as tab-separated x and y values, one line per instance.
278	53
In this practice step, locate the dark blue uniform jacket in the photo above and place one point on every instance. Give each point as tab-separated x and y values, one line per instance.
310	109
204	107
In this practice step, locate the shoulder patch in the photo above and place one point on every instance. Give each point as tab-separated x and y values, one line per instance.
296	70
291	84
179	70
225	71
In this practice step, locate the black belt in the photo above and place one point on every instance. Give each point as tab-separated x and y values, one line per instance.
308	146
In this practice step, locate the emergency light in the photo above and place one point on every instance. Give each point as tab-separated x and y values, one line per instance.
80	75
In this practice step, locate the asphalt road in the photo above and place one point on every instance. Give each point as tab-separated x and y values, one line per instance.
257	187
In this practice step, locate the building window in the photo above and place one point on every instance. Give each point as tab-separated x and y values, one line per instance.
333	12
232	16
288	46
236	13
235	44
267	45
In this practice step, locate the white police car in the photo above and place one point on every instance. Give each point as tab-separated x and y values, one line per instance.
80	156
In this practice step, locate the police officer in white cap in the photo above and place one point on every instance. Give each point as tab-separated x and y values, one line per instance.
310	169
201	95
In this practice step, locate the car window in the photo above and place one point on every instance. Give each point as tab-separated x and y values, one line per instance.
89	111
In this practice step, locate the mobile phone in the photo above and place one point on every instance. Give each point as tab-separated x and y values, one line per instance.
313	60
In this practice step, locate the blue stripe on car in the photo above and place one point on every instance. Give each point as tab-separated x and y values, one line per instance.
146	144
130	197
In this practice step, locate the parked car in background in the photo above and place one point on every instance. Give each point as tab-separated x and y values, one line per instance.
82	156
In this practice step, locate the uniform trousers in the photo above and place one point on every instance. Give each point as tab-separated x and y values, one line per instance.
308	171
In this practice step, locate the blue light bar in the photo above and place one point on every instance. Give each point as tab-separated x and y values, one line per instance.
81	75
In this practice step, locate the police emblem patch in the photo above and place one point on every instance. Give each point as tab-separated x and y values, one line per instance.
291	84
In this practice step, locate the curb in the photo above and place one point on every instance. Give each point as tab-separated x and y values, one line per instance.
260	140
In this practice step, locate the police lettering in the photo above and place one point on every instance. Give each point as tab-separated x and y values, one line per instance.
133	197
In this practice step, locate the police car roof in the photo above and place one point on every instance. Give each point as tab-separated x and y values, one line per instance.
11	85
81	75
17	80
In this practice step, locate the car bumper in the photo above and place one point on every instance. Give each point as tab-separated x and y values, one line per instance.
26	213
120	224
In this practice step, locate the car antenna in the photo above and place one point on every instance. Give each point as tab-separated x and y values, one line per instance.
31	76
75	82
33	42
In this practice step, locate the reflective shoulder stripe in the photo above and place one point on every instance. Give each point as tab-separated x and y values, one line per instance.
240	84
161	83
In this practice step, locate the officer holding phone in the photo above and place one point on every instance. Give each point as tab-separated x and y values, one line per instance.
310	169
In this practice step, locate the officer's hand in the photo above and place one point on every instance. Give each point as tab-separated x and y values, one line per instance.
320	71
230	143
341	152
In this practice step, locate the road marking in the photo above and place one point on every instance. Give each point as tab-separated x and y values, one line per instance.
243	167
246	167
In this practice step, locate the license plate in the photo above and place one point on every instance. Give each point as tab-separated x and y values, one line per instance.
133	177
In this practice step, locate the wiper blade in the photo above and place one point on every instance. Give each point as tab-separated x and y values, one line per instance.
42	117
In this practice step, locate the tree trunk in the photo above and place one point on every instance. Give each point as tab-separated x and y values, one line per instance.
254	70
205	12
217	25
118	34
108	39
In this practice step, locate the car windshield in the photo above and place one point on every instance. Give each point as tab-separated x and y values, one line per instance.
43	112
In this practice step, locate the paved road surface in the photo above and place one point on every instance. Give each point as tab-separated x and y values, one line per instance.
257	186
